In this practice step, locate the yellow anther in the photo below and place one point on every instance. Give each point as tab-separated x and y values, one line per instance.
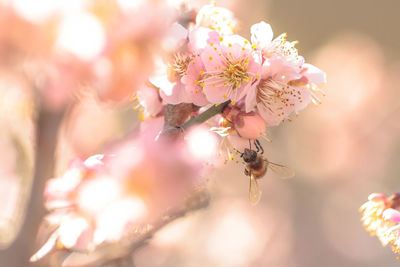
210	58
225	96
233	103
141	116
254	46
202	84
221	39
201	72
196	81
230	45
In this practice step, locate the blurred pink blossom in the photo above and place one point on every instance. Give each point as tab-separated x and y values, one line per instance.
97	199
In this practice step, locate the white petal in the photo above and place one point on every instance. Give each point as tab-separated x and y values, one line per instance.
261	34
314	74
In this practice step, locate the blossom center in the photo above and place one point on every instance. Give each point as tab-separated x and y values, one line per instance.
236	73
180	64
271	92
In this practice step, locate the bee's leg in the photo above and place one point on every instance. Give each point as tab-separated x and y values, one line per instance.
260	146
249	144
256	145
246	172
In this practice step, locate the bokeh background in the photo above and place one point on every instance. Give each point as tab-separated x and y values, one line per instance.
341	150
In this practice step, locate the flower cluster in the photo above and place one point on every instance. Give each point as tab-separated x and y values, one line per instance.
264	79
381	217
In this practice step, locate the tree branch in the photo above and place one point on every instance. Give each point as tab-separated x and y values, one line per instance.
206	115
121	252
47	126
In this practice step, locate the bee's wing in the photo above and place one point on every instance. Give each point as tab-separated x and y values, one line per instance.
283	171
254	191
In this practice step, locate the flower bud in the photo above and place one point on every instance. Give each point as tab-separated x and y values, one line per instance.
250	125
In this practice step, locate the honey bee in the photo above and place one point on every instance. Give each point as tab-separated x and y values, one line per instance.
256	168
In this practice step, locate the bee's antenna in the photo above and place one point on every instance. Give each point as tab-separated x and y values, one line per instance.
241	154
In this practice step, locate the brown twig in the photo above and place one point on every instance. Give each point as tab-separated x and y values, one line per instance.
176	118
121	253
47	126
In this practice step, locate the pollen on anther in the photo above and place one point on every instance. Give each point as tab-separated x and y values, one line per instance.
210	58
225	96
221	39
233	103
202	84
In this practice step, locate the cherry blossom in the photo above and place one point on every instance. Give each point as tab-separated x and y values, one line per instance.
287	84
216	18
232	69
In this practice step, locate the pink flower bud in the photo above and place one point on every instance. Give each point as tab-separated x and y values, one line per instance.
392	215
250	125
377	197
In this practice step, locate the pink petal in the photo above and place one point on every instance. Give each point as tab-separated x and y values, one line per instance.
250	101
201	37
271	119
174	94
211	59
215	94
150	100
281	70
175	37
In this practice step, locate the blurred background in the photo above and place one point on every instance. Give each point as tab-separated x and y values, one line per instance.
341	150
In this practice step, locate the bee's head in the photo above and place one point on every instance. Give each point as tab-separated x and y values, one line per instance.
249	155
